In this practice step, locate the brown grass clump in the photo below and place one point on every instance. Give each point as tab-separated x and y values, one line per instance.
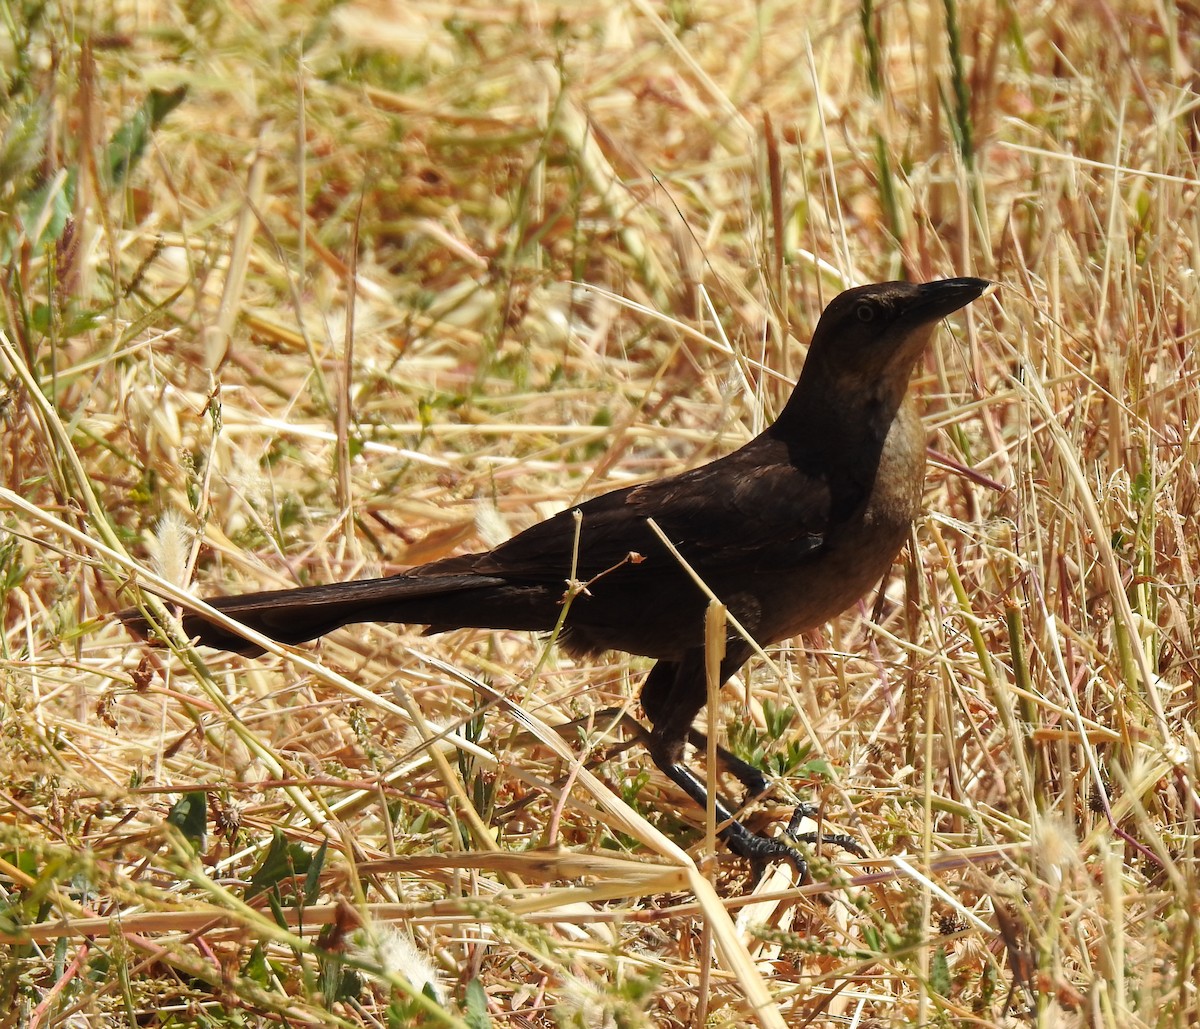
295	293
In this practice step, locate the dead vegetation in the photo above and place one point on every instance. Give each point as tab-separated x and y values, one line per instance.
299	295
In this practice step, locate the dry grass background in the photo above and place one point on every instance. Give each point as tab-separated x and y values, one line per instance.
395	279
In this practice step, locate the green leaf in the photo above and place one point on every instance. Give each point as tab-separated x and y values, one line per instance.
256	968
476	1014
312	880
939	973
189	814
282	862
22	146
129	142
42	214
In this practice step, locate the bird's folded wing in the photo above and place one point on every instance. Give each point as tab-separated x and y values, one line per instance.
727	512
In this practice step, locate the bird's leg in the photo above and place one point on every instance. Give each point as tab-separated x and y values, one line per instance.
672	697
758	850
754	780
748	775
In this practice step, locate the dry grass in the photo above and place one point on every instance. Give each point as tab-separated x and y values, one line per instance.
396	279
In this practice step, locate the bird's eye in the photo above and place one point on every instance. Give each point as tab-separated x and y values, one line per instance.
864	312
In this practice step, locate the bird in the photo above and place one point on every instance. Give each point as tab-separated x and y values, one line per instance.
787	531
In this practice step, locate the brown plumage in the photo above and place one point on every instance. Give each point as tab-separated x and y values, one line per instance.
788	531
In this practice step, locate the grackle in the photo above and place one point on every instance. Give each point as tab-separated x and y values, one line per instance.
787	531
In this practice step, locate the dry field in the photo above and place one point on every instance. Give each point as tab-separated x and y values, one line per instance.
298	293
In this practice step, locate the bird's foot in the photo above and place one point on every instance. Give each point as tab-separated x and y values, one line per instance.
760	851
803	811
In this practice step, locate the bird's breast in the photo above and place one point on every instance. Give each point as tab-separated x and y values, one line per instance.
894	499
862	544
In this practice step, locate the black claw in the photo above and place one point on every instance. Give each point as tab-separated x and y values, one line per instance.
760	851
803	811
750	776
755	782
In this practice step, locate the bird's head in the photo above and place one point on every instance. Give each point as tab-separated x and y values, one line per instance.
869	338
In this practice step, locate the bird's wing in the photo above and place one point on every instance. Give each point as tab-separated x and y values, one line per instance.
753	505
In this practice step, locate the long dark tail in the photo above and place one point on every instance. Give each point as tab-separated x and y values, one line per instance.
445	601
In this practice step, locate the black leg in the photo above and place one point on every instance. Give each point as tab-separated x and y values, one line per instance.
758	850
748	775
673	694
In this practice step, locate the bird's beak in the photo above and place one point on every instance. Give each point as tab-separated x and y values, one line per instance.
937	299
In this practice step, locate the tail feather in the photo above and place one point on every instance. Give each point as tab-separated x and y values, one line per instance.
296	615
